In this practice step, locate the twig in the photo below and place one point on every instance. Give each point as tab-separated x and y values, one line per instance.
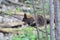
35	15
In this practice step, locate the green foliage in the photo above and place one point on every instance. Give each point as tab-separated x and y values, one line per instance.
17	9
29	33
26	35
9	12
40	11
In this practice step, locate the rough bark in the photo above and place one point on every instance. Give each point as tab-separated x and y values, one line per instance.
51	12
57	19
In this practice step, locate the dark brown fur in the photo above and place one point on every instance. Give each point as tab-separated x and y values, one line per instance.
30	21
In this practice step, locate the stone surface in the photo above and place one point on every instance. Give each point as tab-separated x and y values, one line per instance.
1	36
7	18
6	36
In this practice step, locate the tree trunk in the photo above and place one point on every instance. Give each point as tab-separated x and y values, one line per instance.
57	19
51	12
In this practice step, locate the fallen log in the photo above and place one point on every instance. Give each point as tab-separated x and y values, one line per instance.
9	30
11	24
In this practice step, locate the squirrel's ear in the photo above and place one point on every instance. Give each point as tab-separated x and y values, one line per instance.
48	21
25	16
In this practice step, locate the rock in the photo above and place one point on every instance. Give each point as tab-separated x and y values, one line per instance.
7	18
1	19
1	36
